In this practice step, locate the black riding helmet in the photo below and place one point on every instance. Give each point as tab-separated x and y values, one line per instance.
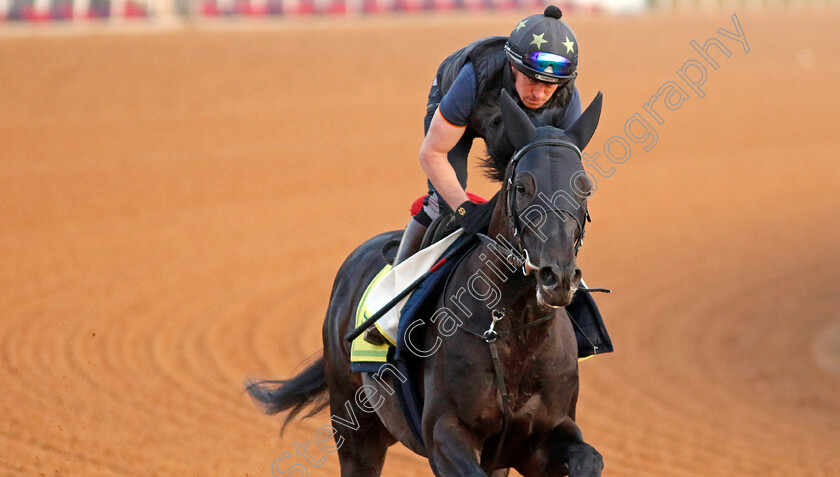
544	48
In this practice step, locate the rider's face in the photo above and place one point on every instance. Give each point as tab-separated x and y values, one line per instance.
533	93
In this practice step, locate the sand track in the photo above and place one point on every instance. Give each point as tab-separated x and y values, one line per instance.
175	205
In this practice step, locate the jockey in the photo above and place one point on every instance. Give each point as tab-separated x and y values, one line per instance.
536	64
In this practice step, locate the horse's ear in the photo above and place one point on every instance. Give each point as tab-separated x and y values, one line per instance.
518	127
584	127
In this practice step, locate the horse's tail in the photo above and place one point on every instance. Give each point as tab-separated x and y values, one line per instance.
307	389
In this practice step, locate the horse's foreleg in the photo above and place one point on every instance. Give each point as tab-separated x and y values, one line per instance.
454	450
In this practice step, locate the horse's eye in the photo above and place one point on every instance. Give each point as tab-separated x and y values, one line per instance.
520	189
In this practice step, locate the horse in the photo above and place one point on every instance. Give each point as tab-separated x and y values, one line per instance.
500	389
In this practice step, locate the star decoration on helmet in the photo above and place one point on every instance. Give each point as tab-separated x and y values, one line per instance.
570	45
521	24
538	40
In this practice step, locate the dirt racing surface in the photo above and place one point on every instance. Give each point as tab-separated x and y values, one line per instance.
175	204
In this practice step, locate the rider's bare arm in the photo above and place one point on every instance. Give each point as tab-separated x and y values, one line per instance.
440	139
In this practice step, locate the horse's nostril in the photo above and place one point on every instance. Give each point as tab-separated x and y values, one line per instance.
547	277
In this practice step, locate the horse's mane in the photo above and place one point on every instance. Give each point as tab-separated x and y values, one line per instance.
499	148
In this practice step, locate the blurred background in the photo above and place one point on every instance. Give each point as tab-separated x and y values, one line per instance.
173	10
167	11
181	180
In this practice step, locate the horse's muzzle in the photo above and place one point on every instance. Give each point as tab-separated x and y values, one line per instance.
556	286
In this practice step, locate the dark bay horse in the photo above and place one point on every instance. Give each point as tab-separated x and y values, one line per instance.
499	379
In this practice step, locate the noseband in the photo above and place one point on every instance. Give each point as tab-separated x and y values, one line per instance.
524	259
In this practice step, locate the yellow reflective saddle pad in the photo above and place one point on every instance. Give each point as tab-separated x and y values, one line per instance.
361	351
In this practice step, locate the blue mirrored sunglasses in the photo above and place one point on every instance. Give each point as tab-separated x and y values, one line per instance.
549	63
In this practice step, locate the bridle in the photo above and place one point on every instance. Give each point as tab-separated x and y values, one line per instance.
520	256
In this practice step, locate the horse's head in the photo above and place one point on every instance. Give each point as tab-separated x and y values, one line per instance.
545	198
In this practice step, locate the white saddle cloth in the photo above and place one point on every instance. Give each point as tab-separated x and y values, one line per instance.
398	279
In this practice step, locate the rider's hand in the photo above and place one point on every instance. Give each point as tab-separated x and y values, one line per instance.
474	218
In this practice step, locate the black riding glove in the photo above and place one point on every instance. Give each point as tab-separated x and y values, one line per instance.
475	218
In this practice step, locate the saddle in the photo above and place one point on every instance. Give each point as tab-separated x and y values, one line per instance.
441	227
